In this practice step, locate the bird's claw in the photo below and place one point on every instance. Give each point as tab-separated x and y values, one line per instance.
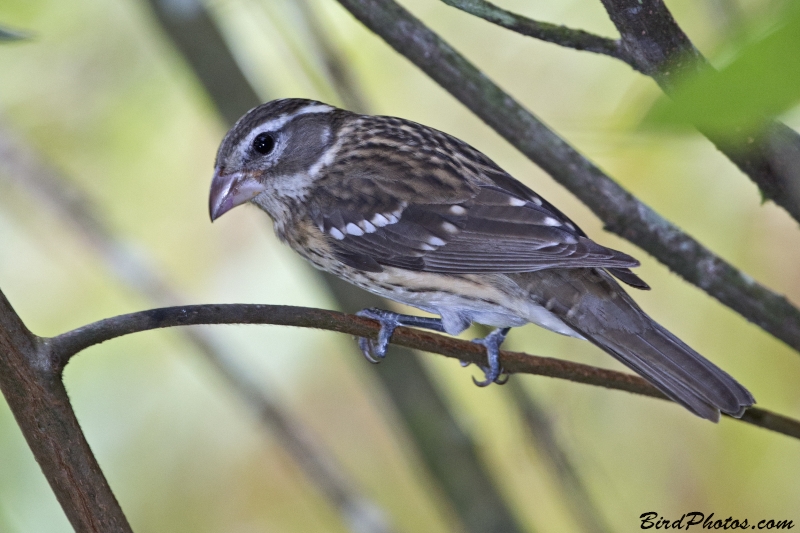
374	351
494	372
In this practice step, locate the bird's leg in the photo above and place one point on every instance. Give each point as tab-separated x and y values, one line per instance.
492	343
375	351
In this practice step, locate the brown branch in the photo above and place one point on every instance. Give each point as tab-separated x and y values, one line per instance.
545	31
621	212
62	347
33	389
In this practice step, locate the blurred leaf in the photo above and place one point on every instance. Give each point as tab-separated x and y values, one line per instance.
761	82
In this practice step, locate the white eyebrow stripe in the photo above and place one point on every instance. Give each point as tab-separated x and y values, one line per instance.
277	123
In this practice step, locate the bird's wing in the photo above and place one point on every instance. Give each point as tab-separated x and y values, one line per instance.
422	209
492	231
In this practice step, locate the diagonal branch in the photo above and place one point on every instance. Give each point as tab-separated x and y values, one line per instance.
545	31
621	212
652	43
61	348
650	34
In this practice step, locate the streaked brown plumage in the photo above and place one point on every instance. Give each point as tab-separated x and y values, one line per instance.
417	216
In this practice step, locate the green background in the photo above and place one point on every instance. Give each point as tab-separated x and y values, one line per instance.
101	94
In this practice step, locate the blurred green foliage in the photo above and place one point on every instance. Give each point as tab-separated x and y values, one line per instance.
761	82
104	98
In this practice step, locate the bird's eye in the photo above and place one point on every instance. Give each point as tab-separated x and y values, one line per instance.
263	143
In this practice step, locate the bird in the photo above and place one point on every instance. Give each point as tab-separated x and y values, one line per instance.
417	216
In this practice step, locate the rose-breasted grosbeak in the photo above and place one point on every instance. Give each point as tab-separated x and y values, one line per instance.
417	216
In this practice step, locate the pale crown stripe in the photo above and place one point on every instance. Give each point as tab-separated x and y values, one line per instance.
277	123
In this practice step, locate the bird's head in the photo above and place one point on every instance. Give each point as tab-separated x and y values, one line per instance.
270	151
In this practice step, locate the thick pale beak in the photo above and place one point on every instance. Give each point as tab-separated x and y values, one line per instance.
230	190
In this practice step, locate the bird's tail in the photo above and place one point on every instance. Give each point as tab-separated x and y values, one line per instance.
594	305
678	371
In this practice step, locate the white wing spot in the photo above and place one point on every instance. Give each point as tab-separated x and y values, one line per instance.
457	210
367	226
436	241
572	227
536	200
449	228
392	218
550	221
379	220
336	234
516	202
352	229
426	247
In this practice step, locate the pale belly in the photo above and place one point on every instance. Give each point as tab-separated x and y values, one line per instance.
489	299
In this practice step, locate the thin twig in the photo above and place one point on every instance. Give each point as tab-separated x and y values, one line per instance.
621	212
63	347
545	31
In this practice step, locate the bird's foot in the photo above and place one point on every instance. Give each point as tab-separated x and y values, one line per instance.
493	372
374	350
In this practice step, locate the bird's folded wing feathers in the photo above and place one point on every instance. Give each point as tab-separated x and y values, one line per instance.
479	229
